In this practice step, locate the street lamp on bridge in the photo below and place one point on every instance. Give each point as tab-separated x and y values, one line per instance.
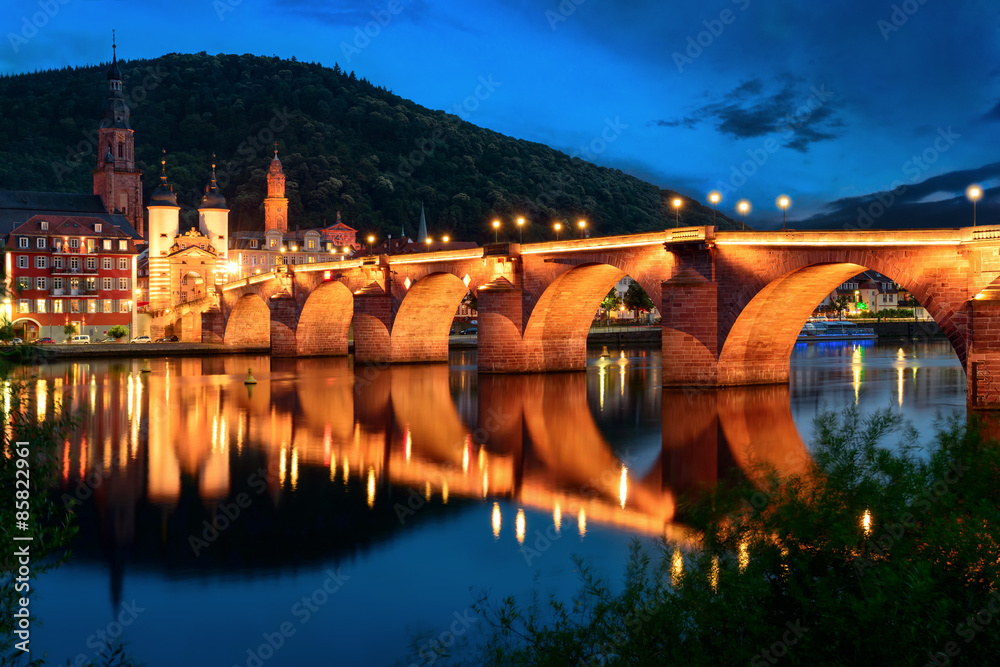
583	225
783	203
520	224
496	231
677	211
371	240
743	205
558	226
715	198
974	192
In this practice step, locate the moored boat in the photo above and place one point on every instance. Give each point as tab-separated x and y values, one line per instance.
824	330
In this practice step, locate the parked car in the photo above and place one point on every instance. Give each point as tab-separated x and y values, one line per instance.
46	341
107	339
168	339
469	330
16	341
142	339
80	339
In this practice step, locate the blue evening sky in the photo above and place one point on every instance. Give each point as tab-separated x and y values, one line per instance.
824	101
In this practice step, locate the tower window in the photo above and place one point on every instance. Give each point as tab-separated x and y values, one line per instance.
121	150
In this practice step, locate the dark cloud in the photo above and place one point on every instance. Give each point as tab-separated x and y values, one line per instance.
905	207
800	114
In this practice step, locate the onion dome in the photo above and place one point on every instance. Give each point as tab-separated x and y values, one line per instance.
213	198
163	195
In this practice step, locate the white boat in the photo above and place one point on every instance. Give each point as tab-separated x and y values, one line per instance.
828	330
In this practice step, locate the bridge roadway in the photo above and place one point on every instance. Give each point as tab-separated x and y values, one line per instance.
732	302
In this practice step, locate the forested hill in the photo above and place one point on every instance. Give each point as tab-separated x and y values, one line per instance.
345	144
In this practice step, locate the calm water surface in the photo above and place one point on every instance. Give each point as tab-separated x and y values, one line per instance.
363	507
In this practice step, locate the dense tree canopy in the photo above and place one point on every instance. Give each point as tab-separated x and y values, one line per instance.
345	144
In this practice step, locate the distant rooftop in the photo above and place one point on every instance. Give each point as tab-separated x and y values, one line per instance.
17	206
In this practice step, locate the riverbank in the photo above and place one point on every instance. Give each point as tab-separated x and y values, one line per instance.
38	353
924	329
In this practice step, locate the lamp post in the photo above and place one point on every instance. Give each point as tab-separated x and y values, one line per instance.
558	226
677	211
371	241
974	192
715	198
520	224
583	226
743	206
496	231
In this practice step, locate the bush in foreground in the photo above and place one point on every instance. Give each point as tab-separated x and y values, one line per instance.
791	570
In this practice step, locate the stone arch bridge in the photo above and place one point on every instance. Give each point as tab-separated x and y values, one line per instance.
733	303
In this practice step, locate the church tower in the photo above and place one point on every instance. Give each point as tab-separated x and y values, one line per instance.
276	205
116	180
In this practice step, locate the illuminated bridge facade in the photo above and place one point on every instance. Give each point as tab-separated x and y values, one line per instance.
733	303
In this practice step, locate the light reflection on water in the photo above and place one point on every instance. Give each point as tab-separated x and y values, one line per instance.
417	481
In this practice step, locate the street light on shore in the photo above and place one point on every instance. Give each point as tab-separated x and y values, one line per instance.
974	192
496	231
783	203
743	205
715	198
520	224
677	211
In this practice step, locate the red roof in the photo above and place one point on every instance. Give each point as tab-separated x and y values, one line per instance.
340	227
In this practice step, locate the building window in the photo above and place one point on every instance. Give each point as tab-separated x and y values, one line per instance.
74	305
123	245
311	244
57	283
107	244
109	307
91	305
90	284
123	263
74	283
57	306
253	243
97	228
107	263
74	263
23	282
123	283
106	283
312	260
24	306
40	242
22	241
273	243
41	262
57	262
22	261
40	306
74	243
91	245
44	225
92	263
41	283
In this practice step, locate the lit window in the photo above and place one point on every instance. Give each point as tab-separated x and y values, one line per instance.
107	244
91	305
312	260
40	306
123	245
24	306
274	243
311	244
57	306
109	307
123	306
123	283
97	227
74	283
74	305
44	225
23	282
90	284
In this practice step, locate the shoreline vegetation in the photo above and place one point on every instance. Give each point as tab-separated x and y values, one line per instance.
874	556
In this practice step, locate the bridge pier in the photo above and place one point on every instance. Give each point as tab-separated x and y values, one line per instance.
501	348
690	330
372	323
284	318
213	326
983	361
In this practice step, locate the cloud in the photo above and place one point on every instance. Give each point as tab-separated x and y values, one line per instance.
801	115
905	207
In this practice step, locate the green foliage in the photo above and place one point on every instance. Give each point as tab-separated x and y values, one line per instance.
118	331
345	144
842	303
636	299
813	588
69	330
611	302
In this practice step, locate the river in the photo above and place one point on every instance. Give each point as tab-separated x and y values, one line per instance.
332	514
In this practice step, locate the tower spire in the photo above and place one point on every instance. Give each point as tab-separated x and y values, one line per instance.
422	234
114	48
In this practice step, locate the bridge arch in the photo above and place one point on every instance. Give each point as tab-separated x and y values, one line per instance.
760	329
249	322
422	323
555	337
324	321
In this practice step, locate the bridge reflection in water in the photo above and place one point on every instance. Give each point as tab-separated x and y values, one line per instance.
324	439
